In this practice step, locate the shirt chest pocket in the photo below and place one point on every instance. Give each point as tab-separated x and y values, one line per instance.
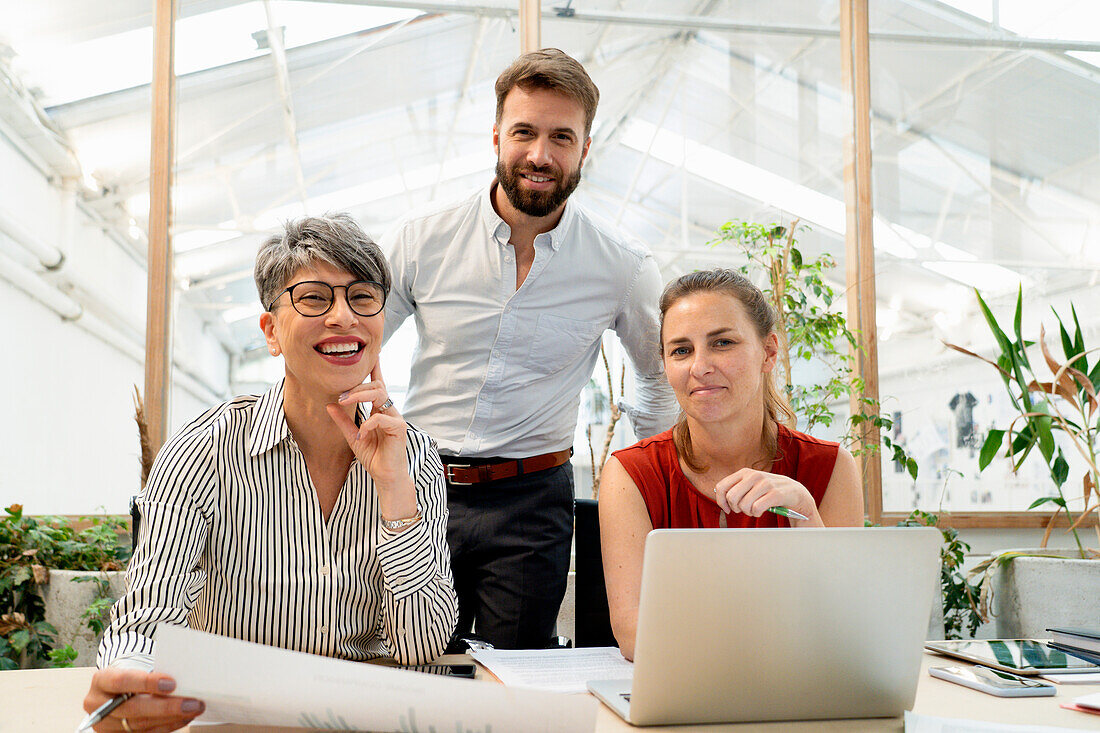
557	342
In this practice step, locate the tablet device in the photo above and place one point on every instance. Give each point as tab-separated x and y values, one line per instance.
1022	656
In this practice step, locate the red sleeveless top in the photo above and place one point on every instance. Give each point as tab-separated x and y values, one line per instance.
673	502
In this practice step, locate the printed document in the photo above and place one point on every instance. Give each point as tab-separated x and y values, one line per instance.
555	670
247	683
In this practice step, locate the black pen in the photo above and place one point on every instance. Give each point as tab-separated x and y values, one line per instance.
103	711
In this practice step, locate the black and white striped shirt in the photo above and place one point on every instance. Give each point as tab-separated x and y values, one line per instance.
233	541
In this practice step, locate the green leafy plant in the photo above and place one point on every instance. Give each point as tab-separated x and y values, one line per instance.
1067	404
95	616
808	327
29	547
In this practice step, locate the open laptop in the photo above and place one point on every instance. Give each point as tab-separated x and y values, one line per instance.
778	624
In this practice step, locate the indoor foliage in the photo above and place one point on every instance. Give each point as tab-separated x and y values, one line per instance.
29	548
1066	404
808	327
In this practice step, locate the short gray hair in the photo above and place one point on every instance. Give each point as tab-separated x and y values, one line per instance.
333	238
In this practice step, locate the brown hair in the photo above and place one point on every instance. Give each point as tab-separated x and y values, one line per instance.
550	68
762	316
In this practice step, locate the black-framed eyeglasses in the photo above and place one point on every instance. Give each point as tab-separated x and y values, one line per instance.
314	298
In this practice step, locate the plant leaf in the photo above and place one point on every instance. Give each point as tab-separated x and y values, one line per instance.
1040	501
1059	471
1064	382
1046	438
994	364
990	447
1066	393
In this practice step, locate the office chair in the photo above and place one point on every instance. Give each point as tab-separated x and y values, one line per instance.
593	619
135	522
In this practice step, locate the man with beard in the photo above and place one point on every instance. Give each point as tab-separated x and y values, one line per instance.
511	290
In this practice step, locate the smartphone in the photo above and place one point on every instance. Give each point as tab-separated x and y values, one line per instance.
450	670
993	681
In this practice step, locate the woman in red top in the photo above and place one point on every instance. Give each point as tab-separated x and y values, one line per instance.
731	456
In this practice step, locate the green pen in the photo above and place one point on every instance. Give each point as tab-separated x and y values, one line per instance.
788	513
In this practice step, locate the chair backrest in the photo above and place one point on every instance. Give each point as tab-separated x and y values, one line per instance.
135	523
593	620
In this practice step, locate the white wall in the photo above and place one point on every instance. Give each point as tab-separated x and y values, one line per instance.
68	441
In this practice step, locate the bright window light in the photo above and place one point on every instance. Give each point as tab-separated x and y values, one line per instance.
761	185
1073	20
381	188
243	312
197	238
71	71
989	279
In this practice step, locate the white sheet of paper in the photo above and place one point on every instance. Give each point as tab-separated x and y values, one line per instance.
915	723
1088	701
254	684
555	670
1088	678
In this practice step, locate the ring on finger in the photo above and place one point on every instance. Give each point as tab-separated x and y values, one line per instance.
126	726
385	405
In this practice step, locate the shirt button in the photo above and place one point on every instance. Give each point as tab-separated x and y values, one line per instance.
324	570
508	258
324	629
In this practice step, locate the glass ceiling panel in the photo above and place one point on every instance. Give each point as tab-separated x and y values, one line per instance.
63	71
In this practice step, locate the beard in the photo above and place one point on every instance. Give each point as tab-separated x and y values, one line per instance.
536	203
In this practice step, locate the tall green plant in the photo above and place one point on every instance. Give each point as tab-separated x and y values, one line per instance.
809	327
1066	404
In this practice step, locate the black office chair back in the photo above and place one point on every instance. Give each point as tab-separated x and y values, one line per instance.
593	620
135	522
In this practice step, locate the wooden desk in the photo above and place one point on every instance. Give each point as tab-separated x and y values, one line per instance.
49	701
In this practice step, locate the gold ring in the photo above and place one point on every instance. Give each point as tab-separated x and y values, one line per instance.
126	726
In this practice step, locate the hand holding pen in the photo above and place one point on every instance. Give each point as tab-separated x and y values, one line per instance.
130	700
754	492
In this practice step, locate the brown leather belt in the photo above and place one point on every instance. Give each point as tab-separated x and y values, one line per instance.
467	474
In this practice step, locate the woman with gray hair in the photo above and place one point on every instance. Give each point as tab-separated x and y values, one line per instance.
311	517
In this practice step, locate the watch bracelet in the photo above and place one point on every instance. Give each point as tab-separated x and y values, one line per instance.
395	524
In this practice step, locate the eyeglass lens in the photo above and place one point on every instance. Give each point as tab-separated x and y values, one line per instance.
315	298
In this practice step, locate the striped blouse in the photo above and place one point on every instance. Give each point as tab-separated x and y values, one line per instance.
232	541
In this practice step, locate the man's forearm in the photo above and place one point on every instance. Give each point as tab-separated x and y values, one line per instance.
654	407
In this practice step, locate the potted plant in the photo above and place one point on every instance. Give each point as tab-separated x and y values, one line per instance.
56	585
1033	589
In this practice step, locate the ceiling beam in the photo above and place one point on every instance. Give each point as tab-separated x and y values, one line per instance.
719	25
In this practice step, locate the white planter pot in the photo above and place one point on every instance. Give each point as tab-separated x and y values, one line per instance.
1031	594
67	599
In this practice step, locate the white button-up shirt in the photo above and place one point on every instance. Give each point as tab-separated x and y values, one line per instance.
498	371
233	542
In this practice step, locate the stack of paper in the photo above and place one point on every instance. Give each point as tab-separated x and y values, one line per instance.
555	670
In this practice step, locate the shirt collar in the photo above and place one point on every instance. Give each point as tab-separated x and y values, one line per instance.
499	229
269	426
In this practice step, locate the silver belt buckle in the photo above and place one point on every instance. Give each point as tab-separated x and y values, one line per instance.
450	476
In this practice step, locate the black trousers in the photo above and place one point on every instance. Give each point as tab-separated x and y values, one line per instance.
510	542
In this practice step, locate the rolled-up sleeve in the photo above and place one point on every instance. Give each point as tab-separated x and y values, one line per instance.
654	407
163	579
420	608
